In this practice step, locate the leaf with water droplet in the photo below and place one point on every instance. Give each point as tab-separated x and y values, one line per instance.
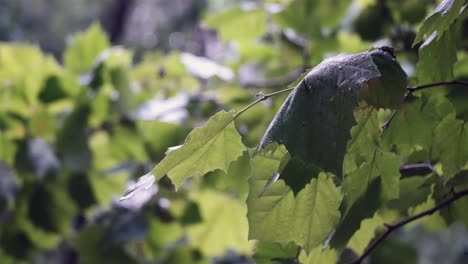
315	120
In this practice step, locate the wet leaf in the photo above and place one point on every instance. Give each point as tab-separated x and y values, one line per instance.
315	119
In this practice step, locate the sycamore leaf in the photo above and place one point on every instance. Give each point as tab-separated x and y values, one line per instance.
315	119
279	216
213	146
440	19
451	141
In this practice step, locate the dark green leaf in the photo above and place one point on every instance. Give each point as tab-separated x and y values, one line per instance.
451	143
315	119
440	19
72	141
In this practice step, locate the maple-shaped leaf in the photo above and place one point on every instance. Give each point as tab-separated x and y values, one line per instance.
315	120
212	146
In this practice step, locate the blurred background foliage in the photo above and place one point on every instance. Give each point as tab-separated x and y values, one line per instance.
93	93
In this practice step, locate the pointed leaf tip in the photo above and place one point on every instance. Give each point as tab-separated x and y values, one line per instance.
143	183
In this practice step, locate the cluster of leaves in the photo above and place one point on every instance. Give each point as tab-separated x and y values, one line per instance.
71	138
318	189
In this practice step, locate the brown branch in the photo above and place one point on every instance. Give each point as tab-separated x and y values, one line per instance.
409	94
392	227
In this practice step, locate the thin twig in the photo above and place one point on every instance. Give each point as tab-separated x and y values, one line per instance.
430	85
409	94
261	97
392	227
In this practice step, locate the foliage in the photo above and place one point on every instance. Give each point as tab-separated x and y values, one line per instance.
316	176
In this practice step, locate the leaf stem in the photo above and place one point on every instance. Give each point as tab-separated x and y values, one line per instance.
261	97
392	227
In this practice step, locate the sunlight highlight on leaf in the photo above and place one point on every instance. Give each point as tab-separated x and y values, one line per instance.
213	146
278	216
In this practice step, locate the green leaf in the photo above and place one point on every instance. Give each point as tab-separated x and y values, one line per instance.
451	143
278	216
410	128
383	164
72	141
53	90
356	183
319	256
362	237
389	89
296	167
408	196
436	58
230	25
91	249
272	253
158	136
364	207
315	119
160	235
232	22
389	164
84	48
23	69
224	225
440	19
235	180
43	212
308	16
6	259
213	146
433	221
364	139
105	187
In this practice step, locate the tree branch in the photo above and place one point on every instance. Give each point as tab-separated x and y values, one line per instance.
411	90
392	227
